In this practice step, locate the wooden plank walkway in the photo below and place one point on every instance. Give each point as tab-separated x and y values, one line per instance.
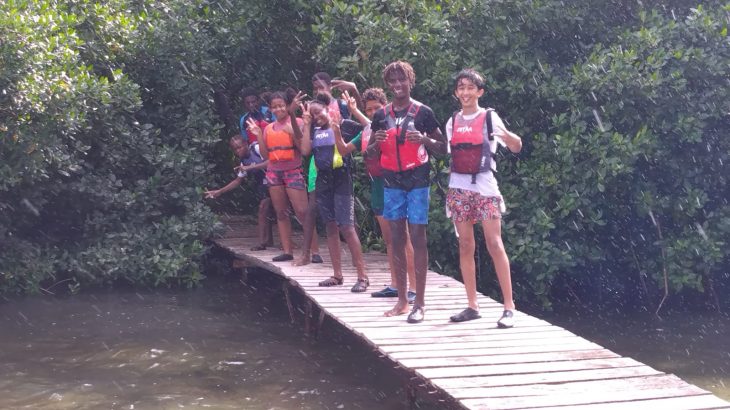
475	365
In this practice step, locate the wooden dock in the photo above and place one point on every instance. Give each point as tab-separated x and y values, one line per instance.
472	365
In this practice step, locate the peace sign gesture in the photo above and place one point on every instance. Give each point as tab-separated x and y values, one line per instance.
351	102
296	103
253	128
306	115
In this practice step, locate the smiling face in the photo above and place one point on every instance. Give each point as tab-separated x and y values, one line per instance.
468	93
239	147
319	115
372	106
278	108
399	85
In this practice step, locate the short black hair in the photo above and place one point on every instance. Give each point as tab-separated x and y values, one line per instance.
248	91
374	94
322	76
237	137
286	95
323	98
472	75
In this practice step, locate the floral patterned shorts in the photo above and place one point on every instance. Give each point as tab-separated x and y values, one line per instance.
470	206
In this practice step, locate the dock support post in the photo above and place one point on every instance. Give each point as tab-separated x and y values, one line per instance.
308	319
320	320
285	287
410	395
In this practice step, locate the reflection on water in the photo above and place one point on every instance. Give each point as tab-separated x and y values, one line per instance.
692	346
224	346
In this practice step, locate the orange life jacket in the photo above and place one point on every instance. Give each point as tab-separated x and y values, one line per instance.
279	143
396	153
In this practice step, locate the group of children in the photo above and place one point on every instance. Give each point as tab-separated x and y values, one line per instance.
395	138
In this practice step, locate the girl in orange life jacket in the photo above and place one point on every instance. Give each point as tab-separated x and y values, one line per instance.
473	192
334	189
413	129
374	99
279	145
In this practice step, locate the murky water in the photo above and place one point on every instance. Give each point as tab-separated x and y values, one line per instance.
223	346
692	346
231	346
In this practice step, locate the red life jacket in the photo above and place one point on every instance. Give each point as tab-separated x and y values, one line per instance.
471	151
396	153
372	163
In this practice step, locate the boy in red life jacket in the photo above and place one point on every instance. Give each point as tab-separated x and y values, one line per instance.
252	165
374	99
473	134
403	131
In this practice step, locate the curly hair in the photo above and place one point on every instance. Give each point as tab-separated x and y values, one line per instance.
374	94
399	67
322	98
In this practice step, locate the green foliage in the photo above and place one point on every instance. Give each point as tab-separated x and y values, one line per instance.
110	130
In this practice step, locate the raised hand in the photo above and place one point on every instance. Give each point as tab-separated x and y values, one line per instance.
296	103
253	128
343	85
351	103
335	117
306	115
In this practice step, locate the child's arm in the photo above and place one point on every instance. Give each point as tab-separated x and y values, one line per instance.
512	140
260	165
305	146
354	111
350	88
259	133
292	109
342	147
218	192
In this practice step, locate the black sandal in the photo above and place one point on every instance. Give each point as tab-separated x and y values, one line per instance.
360	286
283	257
260	247
331	281
466	315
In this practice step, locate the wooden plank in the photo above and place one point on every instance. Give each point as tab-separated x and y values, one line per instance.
516	364
470	356
699	402
439	348
503	359
601	391
548	377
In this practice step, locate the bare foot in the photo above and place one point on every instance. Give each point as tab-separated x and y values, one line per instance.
306	259
400	308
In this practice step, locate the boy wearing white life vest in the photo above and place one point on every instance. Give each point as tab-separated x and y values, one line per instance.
402	134
473	134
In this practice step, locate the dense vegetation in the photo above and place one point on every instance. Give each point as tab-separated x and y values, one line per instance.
114	115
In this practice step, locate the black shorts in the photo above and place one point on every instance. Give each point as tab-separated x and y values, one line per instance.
335	200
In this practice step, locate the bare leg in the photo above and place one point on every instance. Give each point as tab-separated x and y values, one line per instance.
353	243
310	231
410	265
300	202
420	259
398	235
493	237
466	261
281	206
385	229
333	243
